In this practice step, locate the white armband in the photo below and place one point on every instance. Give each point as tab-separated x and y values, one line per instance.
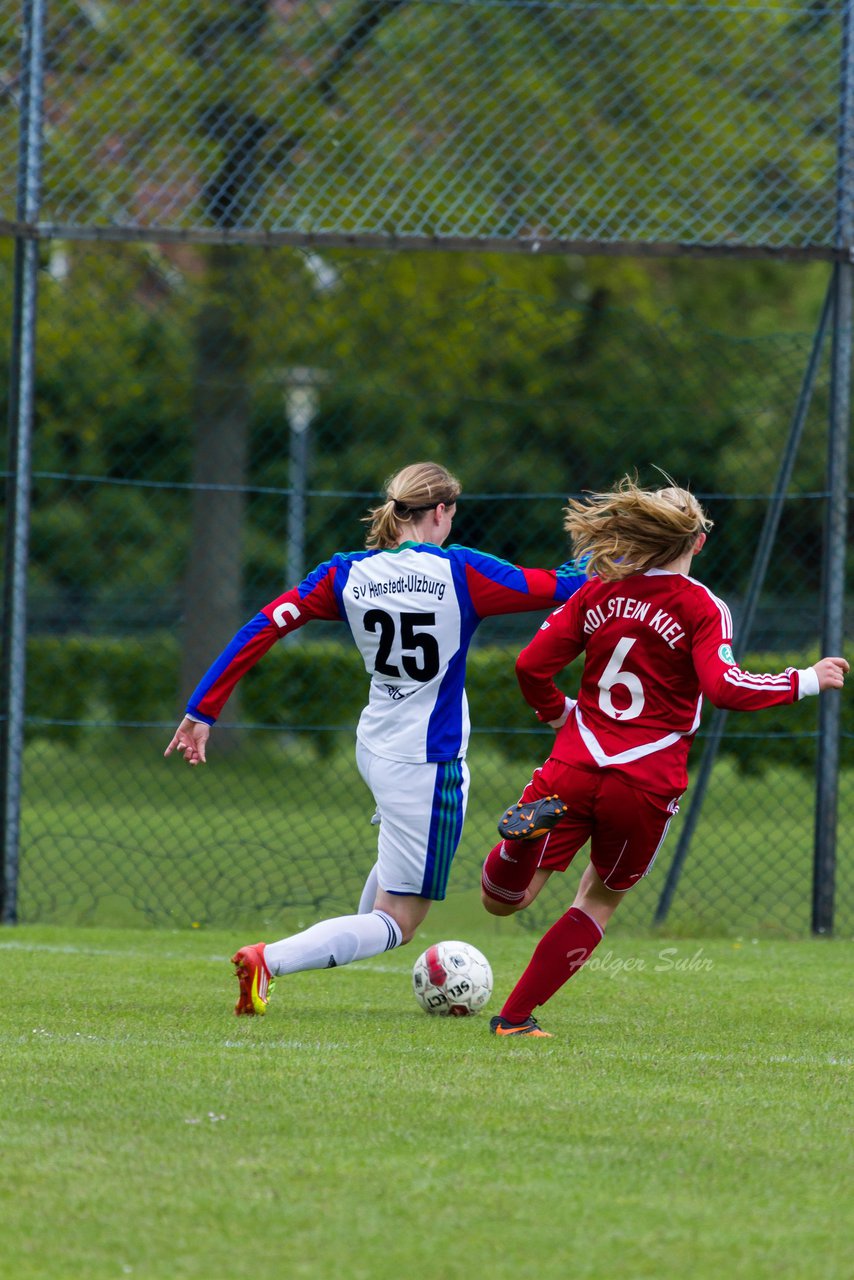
807	682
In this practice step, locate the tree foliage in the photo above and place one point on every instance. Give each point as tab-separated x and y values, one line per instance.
529	374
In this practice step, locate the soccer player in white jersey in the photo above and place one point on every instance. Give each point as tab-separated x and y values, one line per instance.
655	643
412	608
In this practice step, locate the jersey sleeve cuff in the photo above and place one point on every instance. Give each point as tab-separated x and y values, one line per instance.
192	714
569	703
808	685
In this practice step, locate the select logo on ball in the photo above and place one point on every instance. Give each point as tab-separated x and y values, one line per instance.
452	979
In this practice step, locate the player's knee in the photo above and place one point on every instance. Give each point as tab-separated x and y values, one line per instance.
407	926
496	908
504	882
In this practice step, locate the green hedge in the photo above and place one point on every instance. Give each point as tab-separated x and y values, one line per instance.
314	687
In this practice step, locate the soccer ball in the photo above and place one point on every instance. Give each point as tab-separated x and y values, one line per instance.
452	979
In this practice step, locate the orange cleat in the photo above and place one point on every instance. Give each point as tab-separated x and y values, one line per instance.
530	1027
256	982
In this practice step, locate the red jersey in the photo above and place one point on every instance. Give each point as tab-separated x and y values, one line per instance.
655	644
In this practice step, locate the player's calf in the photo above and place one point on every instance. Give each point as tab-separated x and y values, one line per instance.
507	873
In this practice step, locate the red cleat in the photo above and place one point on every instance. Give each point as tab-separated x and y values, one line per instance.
255	980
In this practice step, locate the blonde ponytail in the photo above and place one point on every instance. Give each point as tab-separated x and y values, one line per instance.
409	493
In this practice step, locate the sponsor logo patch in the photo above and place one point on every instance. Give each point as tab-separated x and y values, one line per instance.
726	655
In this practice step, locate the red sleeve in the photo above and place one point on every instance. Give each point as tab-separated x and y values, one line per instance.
291	610
723	682
495	586
557	643
286	613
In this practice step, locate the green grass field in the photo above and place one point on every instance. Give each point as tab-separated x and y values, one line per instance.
113	834
688	1120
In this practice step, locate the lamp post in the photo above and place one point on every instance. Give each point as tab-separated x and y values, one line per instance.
302	387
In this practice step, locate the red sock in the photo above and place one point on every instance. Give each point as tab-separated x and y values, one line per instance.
559	954
509	869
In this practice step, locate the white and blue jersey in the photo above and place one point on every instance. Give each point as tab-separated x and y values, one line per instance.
412	612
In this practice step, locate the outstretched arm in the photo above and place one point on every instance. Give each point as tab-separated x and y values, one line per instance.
313	598
728	685
498	587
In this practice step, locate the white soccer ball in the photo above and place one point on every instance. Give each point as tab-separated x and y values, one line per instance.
452	979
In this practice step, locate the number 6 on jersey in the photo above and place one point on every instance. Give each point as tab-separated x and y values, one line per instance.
614	675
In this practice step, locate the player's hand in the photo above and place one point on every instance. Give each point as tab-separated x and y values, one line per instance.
831	673
189	740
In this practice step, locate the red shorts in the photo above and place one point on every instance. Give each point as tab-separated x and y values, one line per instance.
626	827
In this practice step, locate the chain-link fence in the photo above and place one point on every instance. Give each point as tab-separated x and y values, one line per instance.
213	416
529	397
506	121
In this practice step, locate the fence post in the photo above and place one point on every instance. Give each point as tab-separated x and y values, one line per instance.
833	605
301	387
758	571
21	396
833	566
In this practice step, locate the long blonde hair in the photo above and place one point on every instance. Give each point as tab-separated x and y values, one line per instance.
630	529
409	493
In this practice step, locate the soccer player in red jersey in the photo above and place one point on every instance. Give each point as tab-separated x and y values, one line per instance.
656	642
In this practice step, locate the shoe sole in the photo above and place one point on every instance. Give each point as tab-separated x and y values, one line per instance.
522	1031
532	820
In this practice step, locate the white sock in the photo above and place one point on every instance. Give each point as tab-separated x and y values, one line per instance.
334	942
369	893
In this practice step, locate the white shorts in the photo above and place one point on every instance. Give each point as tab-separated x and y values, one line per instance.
421	809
